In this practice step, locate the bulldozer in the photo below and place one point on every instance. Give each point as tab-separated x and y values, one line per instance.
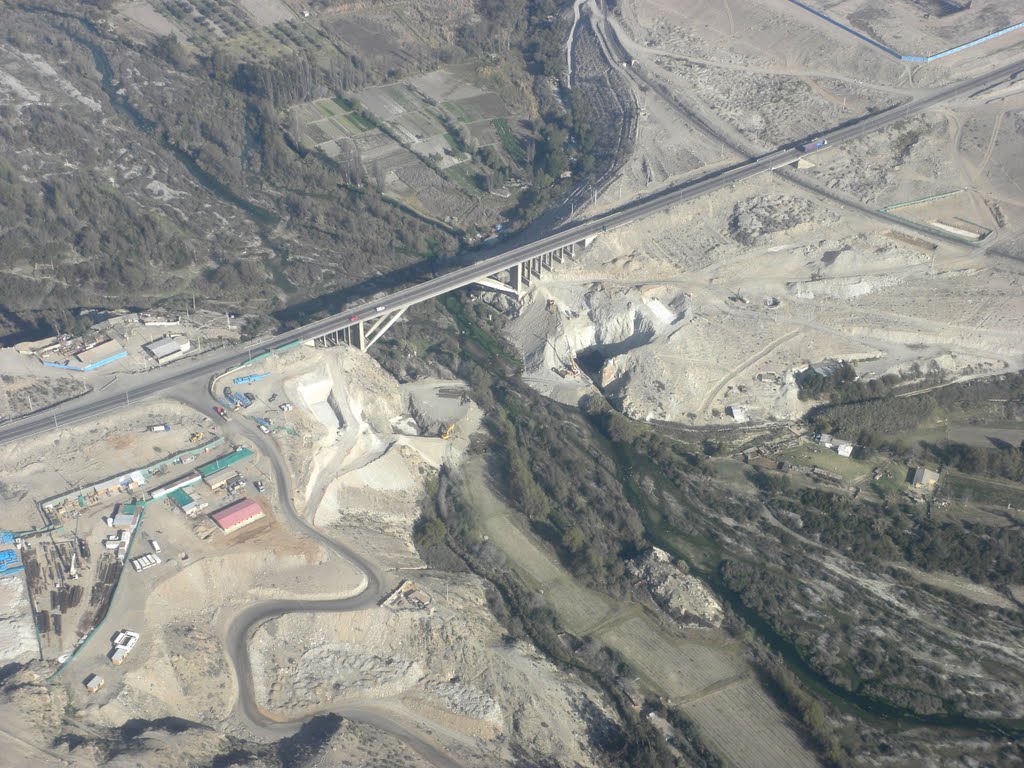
196	437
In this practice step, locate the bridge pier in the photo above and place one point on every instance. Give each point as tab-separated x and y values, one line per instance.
521	275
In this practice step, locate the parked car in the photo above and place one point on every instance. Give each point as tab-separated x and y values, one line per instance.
258	485
263	429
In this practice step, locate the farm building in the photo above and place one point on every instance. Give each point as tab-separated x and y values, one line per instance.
924	478
237	515
168	348
844	449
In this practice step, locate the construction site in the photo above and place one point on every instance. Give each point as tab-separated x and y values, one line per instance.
75	544
467	573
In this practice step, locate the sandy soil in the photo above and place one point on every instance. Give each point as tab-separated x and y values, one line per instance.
448	665
718	302
17	636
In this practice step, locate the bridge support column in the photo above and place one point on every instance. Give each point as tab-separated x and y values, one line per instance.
496	285
379	328
354	336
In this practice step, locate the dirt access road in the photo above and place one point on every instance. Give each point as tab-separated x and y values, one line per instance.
244	624
701	671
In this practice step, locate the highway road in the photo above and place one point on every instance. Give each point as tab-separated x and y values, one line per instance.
96	403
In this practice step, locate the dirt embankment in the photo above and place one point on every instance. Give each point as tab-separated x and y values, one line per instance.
448	666
720	303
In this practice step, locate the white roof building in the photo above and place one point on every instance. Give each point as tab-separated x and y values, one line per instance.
168	348
738	414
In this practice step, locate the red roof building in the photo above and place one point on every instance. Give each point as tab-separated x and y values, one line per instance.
237	515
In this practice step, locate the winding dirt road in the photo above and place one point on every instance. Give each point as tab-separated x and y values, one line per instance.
241	628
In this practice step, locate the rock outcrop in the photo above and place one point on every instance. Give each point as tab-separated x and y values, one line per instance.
682	595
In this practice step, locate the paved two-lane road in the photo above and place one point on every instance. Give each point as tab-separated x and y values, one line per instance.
96	403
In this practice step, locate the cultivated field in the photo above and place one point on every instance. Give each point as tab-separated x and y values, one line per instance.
402	136
702	671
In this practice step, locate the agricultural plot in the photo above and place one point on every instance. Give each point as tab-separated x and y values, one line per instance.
852	470
510	142
410	153
417	126
267	12
705	674
743	708
324	122
252	30
374	146
443	85
389	101
410	111
485	106
982	490
463	175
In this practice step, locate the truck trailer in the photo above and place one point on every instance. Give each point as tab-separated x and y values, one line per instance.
816	144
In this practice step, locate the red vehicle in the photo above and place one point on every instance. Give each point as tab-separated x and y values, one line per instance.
354	318
222	413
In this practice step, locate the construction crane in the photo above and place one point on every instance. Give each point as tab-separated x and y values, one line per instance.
72	570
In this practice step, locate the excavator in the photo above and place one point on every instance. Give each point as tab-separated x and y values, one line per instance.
196	437
446	433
